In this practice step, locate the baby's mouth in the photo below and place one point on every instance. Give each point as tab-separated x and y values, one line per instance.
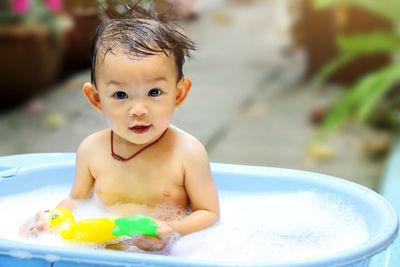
140	129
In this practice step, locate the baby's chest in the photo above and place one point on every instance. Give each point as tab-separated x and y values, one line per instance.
150	185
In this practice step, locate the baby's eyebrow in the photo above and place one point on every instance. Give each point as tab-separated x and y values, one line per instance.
157	79
113	82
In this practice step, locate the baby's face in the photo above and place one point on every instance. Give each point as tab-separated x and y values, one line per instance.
138	96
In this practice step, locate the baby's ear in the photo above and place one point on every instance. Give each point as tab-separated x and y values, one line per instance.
92	95
182	90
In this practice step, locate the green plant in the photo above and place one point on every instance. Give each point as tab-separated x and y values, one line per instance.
109	8
44	12
364	96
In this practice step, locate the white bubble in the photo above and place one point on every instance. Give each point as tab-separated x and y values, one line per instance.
269	227
276	227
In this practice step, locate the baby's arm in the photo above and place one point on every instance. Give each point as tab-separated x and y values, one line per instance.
201	190
83	181
203	197
81	189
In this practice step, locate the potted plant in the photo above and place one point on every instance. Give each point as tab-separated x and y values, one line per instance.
31	45
316	30
86	16
377	90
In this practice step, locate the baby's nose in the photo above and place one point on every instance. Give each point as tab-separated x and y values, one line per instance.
138	109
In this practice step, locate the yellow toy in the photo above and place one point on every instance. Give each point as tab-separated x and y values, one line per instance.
85	231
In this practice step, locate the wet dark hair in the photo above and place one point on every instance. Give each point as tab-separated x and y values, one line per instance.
141	33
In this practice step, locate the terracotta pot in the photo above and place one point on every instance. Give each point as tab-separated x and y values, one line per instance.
316	32
179	9
77	54
31	59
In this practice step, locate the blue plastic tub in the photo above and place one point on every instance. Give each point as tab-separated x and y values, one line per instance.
22	173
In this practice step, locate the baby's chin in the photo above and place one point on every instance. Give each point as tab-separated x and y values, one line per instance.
134	138
148	137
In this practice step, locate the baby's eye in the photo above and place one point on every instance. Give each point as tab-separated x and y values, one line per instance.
154	92
120	95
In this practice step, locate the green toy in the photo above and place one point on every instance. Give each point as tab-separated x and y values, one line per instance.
135	225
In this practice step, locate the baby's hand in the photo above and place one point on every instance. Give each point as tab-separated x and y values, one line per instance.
34	225
149	243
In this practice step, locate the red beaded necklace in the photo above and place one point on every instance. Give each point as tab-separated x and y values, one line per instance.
119	158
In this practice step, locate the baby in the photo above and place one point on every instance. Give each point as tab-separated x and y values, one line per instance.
141	163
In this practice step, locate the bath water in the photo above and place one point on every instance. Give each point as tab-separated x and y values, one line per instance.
268	227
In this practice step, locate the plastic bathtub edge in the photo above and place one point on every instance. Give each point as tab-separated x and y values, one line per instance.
223	168
10	165
389	188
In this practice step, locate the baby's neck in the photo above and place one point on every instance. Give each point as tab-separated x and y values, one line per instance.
137	152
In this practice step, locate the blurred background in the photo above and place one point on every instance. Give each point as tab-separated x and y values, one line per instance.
302	84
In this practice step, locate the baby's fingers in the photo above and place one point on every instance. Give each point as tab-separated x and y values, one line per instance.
33	226
164	230
148	243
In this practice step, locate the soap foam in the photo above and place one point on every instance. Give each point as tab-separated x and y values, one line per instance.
276	227
16	209
268	227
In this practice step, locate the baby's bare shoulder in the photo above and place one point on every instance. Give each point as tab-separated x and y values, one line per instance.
187	143
193	157
94	141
